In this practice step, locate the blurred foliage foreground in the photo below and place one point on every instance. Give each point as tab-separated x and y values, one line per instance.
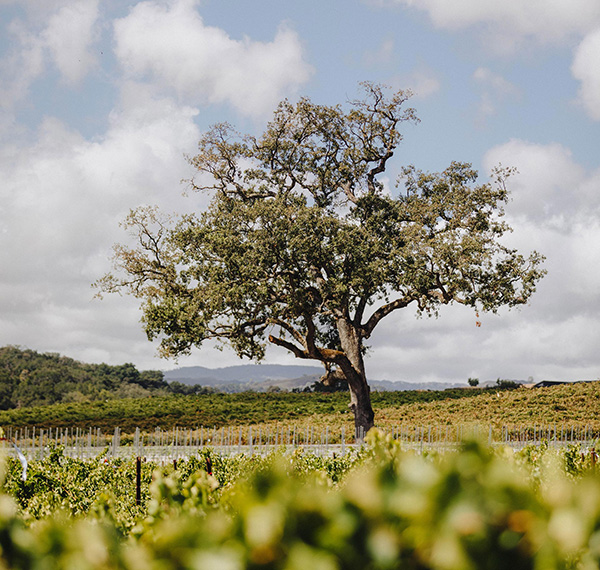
381	508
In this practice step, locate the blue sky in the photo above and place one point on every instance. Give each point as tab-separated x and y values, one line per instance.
101	99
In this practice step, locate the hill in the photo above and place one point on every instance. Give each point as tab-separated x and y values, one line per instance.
563	405
29	378
255	377
262	377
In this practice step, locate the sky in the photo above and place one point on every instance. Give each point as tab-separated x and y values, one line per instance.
102	100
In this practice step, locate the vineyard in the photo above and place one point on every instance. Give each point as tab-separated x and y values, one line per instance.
379	507
182	443
451	481
568	405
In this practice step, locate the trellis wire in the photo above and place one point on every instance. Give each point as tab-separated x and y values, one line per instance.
179	442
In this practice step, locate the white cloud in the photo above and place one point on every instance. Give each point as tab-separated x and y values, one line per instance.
586	68
550	186
555	209
22	66
494	89
65	40
542	20
506	26
381	56
202	63
494	81
37	11
422	81
62	199
68	37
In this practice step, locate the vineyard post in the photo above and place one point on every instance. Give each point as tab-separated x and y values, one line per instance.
138	480
586	434
115	442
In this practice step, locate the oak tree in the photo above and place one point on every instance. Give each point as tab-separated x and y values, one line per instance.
303	247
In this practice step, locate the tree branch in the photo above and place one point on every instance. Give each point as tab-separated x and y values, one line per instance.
383	312
290	329
349	193
296	351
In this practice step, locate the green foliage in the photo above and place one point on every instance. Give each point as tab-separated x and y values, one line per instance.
471	509
61	486
28	378
565	406
33	379
506	384
387	508
216	409
304	248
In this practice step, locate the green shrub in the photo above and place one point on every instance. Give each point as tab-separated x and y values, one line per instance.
385	508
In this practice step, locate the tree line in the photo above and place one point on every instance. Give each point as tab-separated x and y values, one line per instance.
29	378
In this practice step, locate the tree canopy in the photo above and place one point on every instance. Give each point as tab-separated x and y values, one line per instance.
302	245
29	378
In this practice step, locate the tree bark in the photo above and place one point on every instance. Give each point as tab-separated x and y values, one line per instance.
354	370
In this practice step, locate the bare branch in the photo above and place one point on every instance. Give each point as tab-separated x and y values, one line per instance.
296	351
383	312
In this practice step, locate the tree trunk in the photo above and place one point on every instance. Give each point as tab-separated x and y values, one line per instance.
354	370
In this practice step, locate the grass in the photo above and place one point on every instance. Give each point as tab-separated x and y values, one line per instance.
576	404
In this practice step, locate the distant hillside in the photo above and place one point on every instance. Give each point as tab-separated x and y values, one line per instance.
261	377
30	378
566	407
246	377
389	386
246	373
